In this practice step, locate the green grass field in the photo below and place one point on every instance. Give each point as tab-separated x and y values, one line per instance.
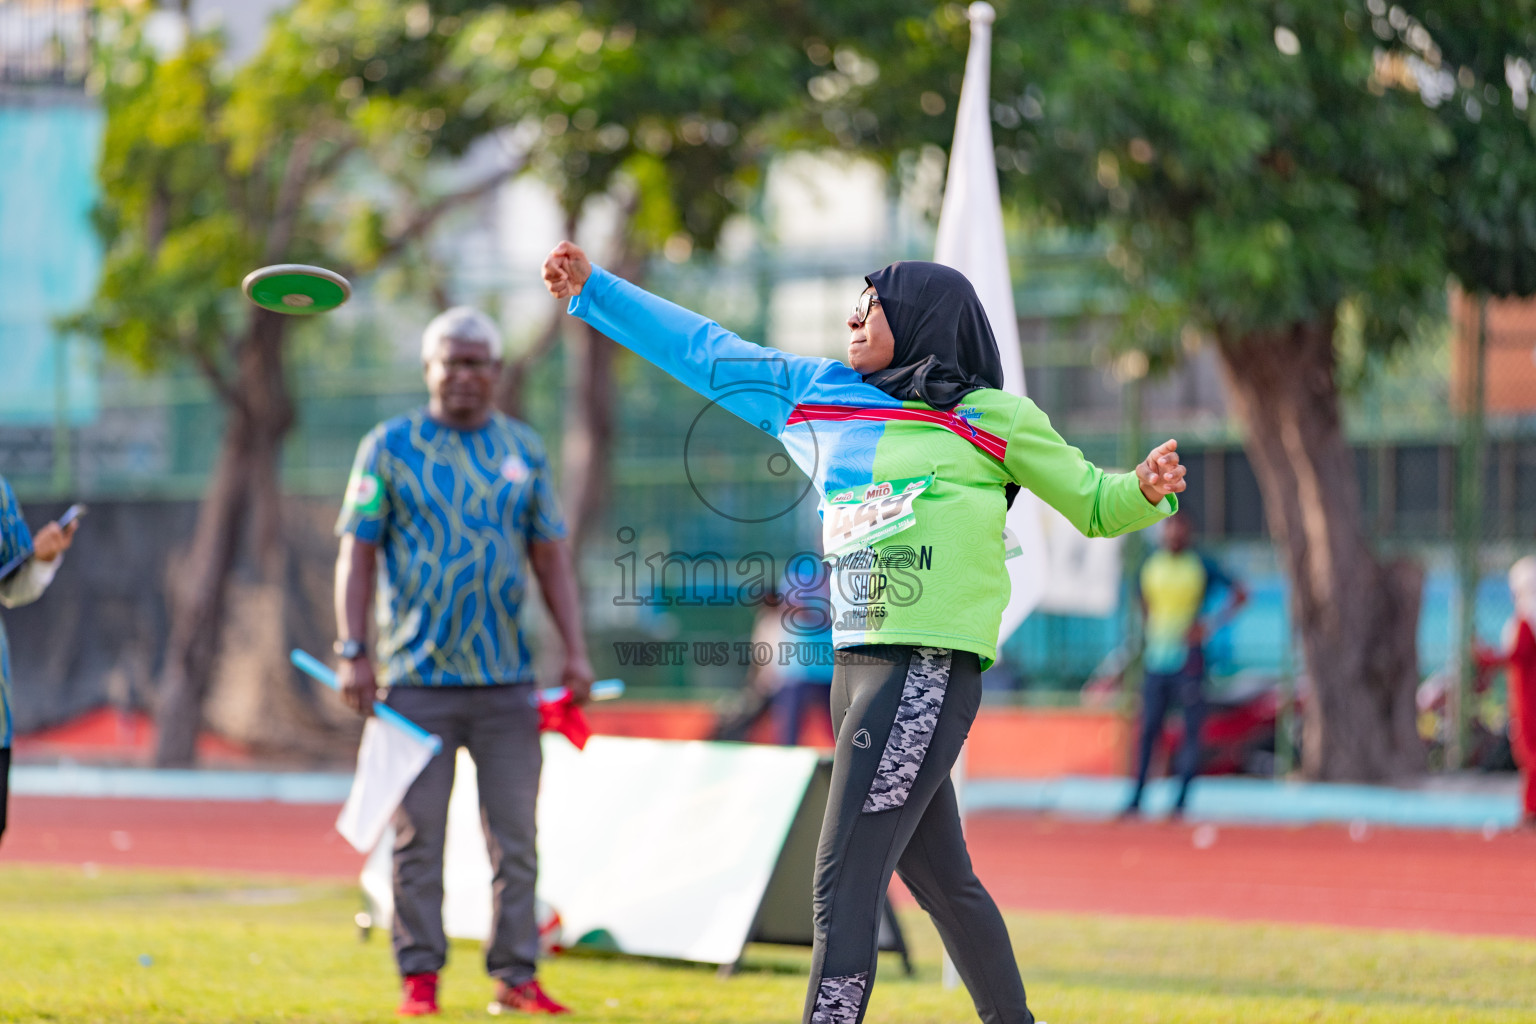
241	949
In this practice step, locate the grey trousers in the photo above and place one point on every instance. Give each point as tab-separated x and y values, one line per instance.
500	728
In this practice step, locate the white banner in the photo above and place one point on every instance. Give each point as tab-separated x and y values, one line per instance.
1083	573
662	848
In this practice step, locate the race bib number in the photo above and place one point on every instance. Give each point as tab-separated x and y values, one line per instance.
861	516
1012	546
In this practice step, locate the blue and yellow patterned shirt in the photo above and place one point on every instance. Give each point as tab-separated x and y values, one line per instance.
15	540
452	511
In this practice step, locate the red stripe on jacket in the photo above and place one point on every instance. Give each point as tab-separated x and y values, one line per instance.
991	443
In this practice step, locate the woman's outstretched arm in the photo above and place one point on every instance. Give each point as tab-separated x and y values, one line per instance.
761	385
1099	504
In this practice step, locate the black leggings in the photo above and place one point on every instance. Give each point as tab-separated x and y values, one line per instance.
901	715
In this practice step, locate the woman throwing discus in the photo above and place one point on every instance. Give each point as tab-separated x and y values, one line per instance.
916	453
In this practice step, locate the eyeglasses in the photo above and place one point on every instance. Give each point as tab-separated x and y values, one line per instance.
861	310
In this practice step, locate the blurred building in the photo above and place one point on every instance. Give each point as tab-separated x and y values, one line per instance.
48	256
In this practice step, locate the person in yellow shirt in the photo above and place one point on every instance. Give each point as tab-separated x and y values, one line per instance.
1175	584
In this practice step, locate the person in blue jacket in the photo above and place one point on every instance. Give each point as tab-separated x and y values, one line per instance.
915	451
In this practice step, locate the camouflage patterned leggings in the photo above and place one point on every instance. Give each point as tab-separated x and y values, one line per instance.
901	715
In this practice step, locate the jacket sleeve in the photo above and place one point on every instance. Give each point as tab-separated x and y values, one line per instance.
27	584
1099	504
365	508
761	385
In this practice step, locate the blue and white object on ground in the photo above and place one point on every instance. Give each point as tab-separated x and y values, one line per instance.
603	689
392	753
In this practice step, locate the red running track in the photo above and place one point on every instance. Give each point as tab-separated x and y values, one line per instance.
1385	878
270	837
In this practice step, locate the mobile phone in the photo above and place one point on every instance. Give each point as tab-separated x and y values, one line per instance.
70	515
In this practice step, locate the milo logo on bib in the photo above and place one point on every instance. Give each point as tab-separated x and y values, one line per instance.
861	516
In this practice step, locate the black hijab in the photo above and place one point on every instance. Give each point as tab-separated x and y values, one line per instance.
944	344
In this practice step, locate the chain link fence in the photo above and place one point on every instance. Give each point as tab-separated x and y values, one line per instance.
686	482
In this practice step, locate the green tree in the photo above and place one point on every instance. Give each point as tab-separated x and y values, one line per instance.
329	147
208	172
1472	62
1263	187
670	111
1286	178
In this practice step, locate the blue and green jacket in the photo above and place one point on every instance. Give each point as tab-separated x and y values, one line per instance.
912	497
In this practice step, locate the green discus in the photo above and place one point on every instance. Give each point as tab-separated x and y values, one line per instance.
296	288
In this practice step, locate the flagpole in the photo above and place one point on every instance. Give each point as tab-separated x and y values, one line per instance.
971	240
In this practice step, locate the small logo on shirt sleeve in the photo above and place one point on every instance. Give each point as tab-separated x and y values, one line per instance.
365	494
514	469
861	739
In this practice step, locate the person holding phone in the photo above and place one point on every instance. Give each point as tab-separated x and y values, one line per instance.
30	564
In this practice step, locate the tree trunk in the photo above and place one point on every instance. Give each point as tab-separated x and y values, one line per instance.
244	482
513	382
1357	617
586	449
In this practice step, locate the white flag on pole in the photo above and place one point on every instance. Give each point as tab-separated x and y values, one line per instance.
388	761
971	241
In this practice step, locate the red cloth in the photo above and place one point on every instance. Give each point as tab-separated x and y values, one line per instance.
1522	710
564	716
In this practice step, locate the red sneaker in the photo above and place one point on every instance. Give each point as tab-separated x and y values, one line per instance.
420	996
528	997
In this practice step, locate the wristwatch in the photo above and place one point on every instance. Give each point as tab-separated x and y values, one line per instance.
348	650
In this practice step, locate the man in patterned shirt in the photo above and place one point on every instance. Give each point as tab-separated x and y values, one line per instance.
458	501
22	586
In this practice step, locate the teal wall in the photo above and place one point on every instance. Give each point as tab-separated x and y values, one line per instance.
49	258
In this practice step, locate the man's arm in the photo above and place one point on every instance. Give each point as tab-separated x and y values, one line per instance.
1237	596
355	568
27	584
557	581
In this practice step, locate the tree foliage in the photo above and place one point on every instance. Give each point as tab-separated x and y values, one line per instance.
1472	62
1282	176
1244	159
684	102
209	171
